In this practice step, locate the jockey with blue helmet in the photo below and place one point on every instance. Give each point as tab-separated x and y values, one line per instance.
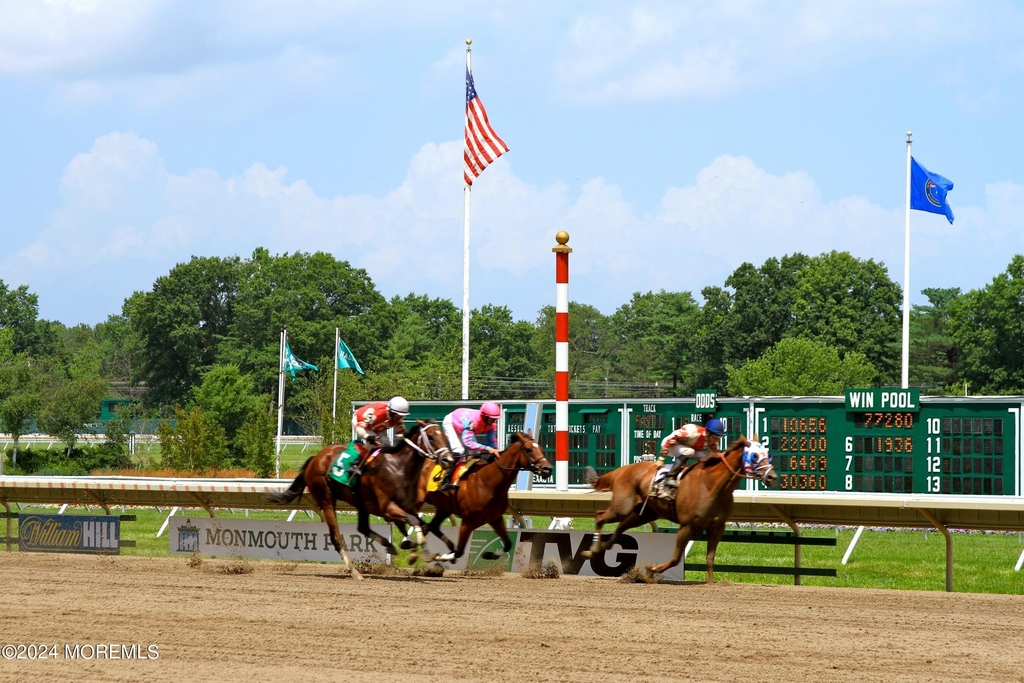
691	441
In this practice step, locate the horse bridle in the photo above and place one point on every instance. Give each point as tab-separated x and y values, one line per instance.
533	465
761	468
426	449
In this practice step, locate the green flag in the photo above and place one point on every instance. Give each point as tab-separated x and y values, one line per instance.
347	359
292	364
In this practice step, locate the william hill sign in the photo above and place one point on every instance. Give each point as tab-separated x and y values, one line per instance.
99	534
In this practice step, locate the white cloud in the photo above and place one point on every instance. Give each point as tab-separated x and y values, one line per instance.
685	50
125	220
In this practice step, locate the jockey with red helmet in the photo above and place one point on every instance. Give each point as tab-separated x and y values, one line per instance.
470	432
370	422
691	441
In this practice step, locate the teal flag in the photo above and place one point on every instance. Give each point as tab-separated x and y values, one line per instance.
292	364
347	359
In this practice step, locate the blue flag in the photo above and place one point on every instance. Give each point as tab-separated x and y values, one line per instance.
928	190
347	359
292	364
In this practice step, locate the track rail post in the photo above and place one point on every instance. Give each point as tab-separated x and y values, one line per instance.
949	546
8	508
796	547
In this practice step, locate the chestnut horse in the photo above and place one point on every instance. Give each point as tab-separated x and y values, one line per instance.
703	499
393	486
482	495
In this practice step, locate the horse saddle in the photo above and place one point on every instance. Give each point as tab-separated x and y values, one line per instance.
437	474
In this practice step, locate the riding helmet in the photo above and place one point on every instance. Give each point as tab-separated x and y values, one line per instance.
715	426
398	406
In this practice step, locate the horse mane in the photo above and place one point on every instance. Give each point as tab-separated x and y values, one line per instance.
413	432
741	442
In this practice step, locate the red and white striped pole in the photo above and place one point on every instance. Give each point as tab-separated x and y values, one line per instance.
562	361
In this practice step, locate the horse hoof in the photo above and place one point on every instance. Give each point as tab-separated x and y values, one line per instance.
586	554
391	550
413	558
406	544
447	557
489	555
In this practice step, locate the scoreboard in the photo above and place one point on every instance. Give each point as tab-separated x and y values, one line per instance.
867	441
893	441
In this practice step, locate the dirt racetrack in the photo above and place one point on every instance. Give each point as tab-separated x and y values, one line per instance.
308	622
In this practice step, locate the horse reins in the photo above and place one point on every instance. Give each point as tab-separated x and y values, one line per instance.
432	455
737	473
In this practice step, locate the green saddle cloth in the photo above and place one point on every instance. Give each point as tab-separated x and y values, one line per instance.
339	470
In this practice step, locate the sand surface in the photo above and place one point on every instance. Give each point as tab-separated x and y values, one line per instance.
311	622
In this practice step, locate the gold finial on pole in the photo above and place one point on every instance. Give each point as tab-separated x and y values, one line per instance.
469	41
562	237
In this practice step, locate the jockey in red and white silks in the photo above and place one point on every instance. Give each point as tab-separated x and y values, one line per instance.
691	441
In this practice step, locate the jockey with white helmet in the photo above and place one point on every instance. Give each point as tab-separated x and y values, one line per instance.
371	422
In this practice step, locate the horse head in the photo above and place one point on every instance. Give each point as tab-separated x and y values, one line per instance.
757	463
531	455
429	439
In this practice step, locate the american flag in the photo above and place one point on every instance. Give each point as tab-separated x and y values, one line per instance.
483	145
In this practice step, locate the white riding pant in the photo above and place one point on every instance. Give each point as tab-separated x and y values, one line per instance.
454	441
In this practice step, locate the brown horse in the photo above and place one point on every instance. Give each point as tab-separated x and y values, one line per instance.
703	499
482	495
393	486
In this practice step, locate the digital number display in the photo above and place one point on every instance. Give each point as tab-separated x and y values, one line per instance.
799	425
883	444
803	482
883	420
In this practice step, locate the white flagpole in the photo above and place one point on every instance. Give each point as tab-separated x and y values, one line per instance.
906	279
280	400
334	410
465	267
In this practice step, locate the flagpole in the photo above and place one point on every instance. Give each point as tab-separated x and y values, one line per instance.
465	265
334	410
280	400
906	278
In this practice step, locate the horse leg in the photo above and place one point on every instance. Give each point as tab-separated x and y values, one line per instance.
435	528
499	528
327	507
682	538
464	533
628	521
394	513
363	526
714	536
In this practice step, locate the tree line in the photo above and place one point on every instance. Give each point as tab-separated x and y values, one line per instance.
201	346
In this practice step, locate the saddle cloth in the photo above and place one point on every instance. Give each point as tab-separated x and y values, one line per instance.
339	470
437	474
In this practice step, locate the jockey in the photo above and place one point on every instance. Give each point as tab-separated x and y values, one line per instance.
690	441
470	432
370	423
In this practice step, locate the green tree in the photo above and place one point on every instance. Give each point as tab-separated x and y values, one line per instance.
310	295
68	405
197	443
115	448
933	356
800	367
120	348
226	395
987	328
256	438
180	325
20	397
499	345
19	310
654	338
851	305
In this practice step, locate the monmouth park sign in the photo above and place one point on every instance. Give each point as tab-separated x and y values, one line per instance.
99	534
219	537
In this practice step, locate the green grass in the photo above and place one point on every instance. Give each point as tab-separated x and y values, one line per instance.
983	562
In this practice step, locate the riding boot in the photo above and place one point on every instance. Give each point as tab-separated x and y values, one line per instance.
449	473
357	466
677	467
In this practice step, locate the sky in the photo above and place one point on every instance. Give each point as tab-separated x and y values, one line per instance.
673	141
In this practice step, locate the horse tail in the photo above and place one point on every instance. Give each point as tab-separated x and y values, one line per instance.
603	483
294	491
